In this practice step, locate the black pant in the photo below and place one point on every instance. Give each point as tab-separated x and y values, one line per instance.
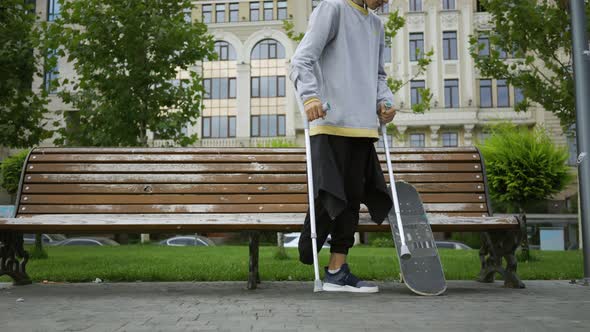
350	158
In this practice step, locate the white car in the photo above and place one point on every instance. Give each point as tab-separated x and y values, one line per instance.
46	238
452	245
187	240
86	241
292	240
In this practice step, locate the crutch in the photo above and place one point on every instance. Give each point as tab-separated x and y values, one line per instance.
317	287
404	252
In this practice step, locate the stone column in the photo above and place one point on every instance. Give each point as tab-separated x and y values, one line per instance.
434	135
468	134
401	141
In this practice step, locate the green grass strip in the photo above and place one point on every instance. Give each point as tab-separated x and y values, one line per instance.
229	263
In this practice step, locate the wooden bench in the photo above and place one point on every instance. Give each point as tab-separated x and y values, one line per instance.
187	190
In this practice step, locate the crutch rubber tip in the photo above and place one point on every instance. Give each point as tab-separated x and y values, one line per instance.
405	252
318	287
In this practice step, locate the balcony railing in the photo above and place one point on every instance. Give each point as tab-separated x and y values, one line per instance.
232	142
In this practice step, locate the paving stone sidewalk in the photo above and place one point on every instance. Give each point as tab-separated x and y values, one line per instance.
291	306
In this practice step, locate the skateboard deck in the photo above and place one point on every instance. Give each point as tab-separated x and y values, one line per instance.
423	272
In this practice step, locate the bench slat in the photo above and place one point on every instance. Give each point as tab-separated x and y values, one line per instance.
224	222
215	208
33	168
251	151
230	178
221	188
163	208
216	198
235	158
164	199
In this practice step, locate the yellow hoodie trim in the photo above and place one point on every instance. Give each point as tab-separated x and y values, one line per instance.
361	9
344	131
311	100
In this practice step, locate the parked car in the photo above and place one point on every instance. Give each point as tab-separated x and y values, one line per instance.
292	240
46	238
452	245
86	241
187	240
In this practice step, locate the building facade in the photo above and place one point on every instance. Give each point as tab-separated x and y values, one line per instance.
250	100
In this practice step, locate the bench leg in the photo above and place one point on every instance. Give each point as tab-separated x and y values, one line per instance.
495	246
14	258
253	275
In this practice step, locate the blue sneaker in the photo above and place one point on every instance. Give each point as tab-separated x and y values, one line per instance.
345	281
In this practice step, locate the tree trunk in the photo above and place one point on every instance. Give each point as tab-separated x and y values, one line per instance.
281	253
38	251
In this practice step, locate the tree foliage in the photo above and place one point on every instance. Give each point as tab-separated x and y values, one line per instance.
11	170
23	121
127	56
524	165
536	36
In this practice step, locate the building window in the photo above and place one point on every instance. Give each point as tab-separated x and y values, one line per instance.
282	10
450	45
254	11
268	49
518	95
383	9
234	10
220	88
267	125
219	126
450	139
502	52
51	74
53	10
188	15
219	13
503	93
485	41
417	140
448	4
267	87
415	88
415	5
485	93
268	10
451	93
387	50
207	14
416	46
225	52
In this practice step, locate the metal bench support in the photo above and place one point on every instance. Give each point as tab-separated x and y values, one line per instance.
14	258
253	275
495	246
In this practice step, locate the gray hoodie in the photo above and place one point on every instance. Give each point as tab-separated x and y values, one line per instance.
340	61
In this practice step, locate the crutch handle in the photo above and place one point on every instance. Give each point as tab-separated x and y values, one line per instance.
325	106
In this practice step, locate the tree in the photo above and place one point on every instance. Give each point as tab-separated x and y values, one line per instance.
127	55
536	36
523	166
394	23
22	111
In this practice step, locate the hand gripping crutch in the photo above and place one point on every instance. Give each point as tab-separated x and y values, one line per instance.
317	287
404	252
